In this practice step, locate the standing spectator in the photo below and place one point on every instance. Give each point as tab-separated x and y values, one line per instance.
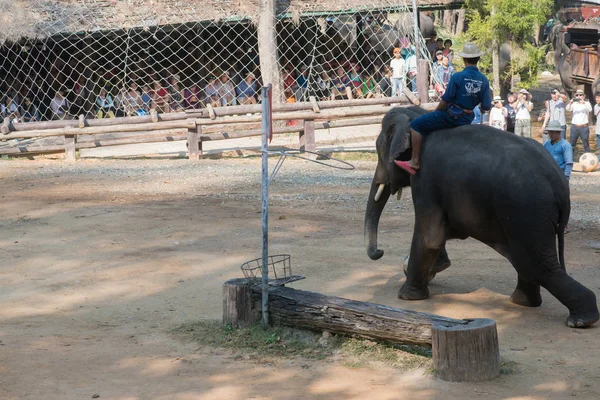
555	111
411	68
597	114
226	91
580	121
559	148
301	85
192	97
9	108
444	73
106	106
511	113
398	67
523	105
59	105
447	51
498	114
246	90
29	111
434	67
431	46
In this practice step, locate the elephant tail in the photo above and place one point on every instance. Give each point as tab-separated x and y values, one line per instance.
561	246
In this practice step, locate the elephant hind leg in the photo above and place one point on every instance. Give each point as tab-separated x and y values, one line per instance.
538	267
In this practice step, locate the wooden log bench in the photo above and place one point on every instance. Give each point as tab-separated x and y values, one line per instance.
463	350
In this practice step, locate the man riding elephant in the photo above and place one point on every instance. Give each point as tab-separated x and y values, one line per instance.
465	91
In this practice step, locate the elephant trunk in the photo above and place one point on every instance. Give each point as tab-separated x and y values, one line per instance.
378	196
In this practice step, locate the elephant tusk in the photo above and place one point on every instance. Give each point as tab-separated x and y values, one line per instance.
379	191
399	195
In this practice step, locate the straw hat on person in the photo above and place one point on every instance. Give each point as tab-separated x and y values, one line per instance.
470	51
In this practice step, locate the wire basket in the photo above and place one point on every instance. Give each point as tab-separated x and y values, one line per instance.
279	264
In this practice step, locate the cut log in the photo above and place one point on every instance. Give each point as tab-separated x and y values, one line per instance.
237	303
307	138
194	143
467	352
317	312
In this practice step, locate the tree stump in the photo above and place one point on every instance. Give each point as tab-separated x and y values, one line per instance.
468	352
237	303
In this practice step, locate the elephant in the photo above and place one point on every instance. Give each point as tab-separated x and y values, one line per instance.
480	182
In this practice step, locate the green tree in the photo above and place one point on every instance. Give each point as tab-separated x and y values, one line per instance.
494	22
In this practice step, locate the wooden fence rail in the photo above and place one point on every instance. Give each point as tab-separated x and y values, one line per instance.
198	126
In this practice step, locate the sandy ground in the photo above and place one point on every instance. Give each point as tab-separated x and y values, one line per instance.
101	259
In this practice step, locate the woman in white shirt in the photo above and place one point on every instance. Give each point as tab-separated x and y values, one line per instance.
498	114
580	122
523	106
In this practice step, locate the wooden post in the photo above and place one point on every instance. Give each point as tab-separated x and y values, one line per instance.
70	154
423	81
467	352
154	115
82	121
307	137
237	303
5	129
194	141
267	49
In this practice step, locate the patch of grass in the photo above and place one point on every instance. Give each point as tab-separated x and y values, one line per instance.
507	367
281	342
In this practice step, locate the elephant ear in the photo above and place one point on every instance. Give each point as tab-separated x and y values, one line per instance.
400	137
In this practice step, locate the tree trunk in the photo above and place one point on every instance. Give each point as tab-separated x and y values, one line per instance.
468	352
267	49
448	19
460	24
495	64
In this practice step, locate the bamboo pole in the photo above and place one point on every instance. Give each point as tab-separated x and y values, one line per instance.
187	124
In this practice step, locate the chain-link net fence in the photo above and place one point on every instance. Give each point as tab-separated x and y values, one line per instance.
110	58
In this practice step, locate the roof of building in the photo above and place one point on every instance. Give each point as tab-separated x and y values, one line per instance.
50	17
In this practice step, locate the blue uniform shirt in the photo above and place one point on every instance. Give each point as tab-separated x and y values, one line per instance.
562	152
468	88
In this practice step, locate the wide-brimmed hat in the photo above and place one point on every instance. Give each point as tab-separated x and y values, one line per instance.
554	126
525	92
579	91
498	98
470	51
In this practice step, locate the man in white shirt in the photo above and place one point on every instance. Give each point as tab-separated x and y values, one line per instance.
580	121
597	114
523	105
398	67
555	111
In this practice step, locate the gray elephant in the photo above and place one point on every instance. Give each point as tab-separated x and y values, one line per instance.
481	182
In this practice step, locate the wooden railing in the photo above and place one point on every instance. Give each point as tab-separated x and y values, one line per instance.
199	126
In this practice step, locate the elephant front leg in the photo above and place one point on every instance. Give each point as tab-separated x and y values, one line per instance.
526	294
420	263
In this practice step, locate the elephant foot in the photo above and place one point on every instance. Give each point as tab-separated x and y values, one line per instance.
523	298
412	293
582	320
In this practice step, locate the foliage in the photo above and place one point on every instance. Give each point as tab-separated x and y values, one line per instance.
512	22
254	343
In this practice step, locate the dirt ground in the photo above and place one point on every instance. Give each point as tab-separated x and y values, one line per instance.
100	260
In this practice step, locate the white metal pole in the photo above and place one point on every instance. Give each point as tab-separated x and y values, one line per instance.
266	127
